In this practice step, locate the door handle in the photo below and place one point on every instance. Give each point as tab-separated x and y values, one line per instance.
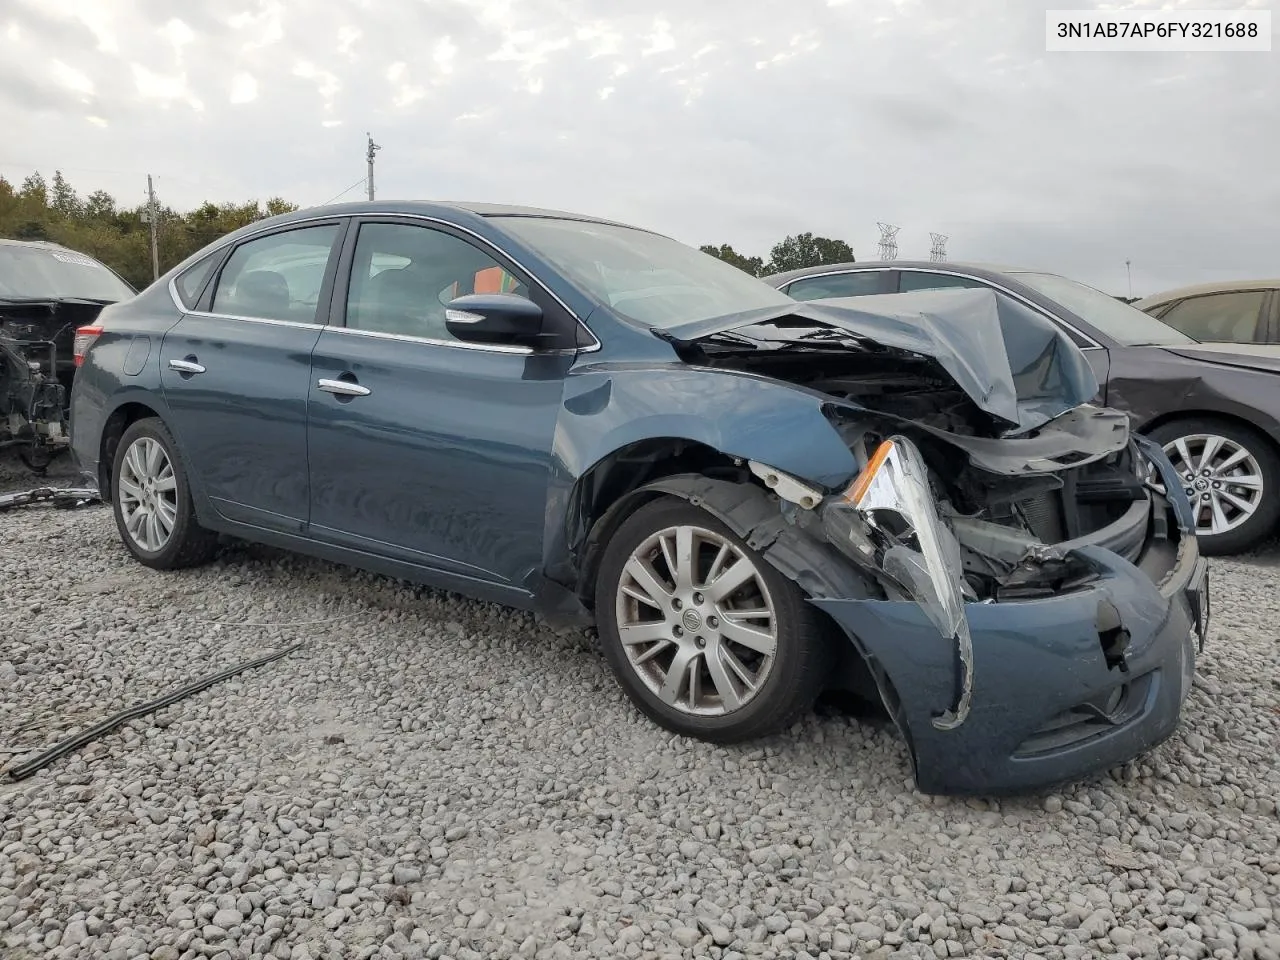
343	388
186	366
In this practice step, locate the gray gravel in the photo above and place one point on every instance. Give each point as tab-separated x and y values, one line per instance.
432	777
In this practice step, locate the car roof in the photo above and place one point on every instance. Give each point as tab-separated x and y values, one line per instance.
38	244
446	209
989	270
1198	289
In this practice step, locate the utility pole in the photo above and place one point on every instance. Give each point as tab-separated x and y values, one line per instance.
1129	270
151	219
373	148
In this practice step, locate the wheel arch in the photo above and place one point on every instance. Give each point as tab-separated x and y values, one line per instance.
1234	419
113	427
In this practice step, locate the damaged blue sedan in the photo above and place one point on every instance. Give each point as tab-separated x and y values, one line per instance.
753	499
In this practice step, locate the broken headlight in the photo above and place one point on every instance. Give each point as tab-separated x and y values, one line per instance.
888	518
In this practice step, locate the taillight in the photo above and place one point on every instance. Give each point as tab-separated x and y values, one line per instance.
85	338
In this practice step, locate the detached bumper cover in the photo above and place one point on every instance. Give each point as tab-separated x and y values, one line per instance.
1060	689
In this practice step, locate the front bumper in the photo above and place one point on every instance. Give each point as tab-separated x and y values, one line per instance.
1063	687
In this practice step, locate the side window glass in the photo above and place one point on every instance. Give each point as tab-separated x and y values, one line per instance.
836	285
404	275
276	277
919	280
191	280
1219	317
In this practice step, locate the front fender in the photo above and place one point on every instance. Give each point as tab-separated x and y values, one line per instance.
607	407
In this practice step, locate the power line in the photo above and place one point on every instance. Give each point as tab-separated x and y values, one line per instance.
339	196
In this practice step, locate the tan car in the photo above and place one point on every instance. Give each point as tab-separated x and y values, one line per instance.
1237	311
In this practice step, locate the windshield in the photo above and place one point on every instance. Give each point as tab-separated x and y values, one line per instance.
644	277
1126	325
33	272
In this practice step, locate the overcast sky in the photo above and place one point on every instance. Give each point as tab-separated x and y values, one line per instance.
716	121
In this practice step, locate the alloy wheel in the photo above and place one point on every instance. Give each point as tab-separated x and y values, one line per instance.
1222	479
696	621
148	492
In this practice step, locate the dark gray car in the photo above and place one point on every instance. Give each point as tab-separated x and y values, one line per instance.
752	499
1213	407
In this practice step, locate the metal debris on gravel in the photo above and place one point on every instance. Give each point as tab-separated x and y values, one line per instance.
433	777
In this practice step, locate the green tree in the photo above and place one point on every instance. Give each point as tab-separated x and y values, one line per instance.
99	205
35	189
31	230
120	237
64	201
277	206
751	265
806	250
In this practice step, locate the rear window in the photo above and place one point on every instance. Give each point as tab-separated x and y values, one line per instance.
37	273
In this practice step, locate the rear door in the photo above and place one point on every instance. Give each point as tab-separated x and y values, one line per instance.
235	373
425	449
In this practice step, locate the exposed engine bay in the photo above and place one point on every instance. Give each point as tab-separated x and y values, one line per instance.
32	403
986	474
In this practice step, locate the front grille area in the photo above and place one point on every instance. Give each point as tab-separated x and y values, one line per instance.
1091	718
1044	516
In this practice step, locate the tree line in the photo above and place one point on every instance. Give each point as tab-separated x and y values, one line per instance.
119	236
792	253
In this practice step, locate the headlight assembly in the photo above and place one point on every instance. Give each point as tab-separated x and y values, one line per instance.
887	517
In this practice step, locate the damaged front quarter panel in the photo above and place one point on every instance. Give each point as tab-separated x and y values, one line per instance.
891	508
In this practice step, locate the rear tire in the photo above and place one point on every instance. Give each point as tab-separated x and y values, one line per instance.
715	665
1245	511
151	500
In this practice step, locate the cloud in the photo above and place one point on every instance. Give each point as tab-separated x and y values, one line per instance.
72	79
164	88
244	88
812	115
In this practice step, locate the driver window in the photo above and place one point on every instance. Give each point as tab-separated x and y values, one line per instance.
404	275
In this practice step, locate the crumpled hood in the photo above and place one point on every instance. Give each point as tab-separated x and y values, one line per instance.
1014	363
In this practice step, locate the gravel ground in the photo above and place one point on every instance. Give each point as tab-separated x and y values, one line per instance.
435	777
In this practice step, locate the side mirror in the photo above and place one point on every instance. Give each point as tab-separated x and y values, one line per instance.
500	318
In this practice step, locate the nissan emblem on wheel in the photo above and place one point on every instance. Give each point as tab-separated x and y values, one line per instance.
931	497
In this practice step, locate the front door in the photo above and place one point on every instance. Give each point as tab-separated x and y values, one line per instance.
235	375
423	448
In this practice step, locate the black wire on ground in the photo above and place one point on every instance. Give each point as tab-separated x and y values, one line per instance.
71	744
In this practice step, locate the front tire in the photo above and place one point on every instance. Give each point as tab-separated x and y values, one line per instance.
151	500
705	637
1232	476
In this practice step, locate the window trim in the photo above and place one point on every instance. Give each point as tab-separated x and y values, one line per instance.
1261	322
343	259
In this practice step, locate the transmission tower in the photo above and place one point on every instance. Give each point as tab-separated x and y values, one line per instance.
888	241
938	251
